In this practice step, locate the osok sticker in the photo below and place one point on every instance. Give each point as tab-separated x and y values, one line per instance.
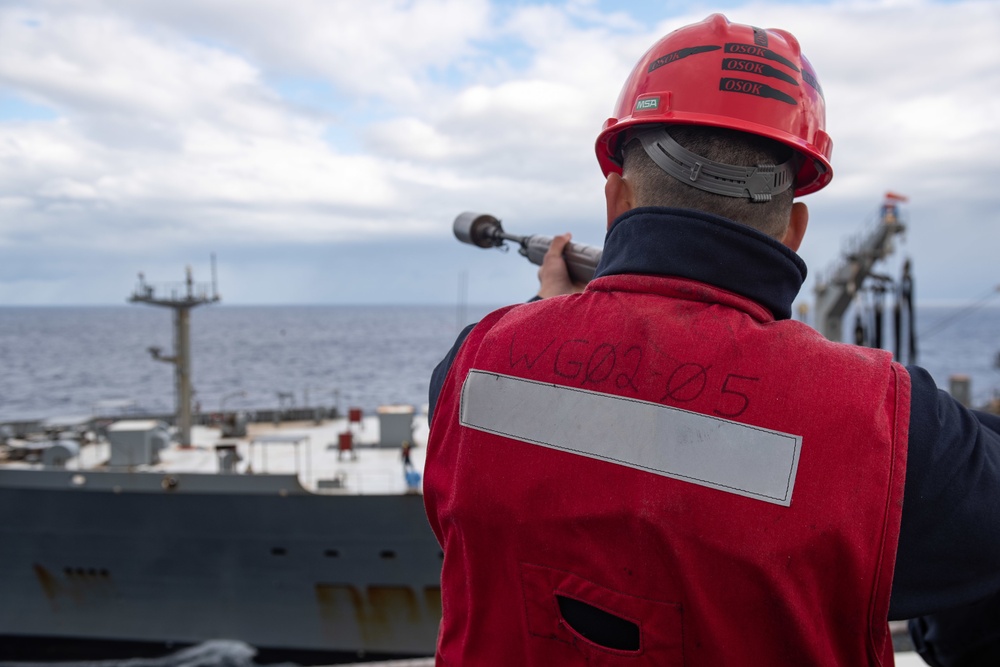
808	77
679	55
755	88
756	67
759	52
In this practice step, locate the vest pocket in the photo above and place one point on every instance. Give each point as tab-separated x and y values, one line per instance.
570	620
598	626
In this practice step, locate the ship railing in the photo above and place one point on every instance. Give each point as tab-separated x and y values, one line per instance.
360	483
300	463
263	458
178	292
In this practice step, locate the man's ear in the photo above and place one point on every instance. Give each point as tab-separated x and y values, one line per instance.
618	195
797	223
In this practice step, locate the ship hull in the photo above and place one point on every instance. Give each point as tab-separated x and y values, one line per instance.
105	558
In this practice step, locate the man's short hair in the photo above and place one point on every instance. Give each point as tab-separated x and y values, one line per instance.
652	186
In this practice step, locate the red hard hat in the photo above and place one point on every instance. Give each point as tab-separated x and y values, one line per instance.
731	76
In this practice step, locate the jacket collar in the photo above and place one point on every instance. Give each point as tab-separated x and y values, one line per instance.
707	248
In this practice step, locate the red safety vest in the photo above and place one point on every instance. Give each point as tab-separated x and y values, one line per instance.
666	452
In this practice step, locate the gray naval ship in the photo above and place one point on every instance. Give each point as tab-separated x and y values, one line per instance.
305	539
137	543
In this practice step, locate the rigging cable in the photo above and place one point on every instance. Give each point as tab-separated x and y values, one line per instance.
944	323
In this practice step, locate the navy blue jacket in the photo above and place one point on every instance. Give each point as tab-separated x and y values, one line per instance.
948	562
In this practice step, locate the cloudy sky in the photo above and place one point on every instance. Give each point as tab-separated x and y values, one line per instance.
322	148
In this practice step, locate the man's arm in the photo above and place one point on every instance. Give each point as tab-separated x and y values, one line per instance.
949	543
964	637
440	372
948	561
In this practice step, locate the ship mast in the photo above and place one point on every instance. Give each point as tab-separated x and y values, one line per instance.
181	298
834	295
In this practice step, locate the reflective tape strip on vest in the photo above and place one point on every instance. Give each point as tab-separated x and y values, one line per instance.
710	451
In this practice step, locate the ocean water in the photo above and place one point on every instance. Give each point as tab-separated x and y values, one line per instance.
61	362
69	361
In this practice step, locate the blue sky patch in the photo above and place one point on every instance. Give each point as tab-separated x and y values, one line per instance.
315	94
343	137
13	107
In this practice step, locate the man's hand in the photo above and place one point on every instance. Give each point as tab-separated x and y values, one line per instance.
553	275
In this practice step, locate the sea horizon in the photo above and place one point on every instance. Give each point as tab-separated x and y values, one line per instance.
63	360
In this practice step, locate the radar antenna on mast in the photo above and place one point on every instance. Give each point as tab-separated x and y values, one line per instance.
181	298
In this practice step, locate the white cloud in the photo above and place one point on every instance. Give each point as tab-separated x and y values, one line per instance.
156	123
382	48
172	127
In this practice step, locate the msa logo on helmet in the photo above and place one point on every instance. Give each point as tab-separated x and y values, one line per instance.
754	67
760	52
679	54
754	88
647	104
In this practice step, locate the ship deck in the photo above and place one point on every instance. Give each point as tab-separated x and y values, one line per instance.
314	452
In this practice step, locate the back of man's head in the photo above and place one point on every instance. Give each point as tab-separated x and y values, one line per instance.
652	186
733	97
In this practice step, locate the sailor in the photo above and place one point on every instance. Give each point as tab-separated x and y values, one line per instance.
405	456
665	469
